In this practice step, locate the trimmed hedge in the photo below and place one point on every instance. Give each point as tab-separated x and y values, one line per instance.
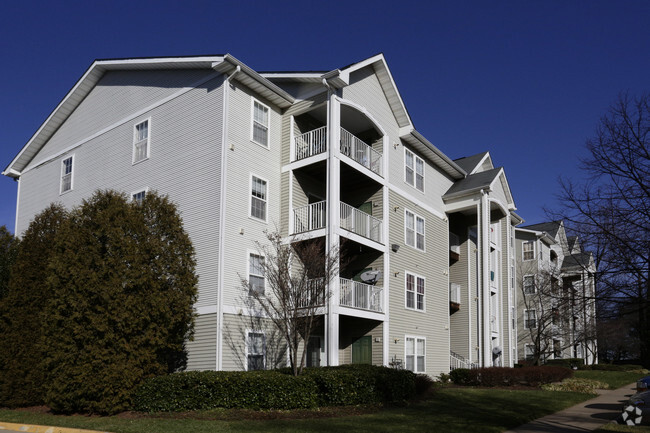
198	390
566	362
326	386
505	376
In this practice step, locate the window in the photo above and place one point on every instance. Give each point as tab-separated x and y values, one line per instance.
256	273
141	141
255	351
530	319
138	196
413	170
414	348
260	124
529	352
414	292
529	285
529	250
258	198
414	230
66	174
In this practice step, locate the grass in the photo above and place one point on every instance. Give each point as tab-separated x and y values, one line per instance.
448	409
615	379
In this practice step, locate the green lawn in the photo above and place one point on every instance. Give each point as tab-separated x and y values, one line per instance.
615	379
449	410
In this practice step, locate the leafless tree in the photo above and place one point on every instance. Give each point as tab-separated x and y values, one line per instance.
610	210
294	290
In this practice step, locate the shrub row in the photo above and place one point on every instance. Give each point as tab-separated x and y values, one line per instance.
613	367
505	376
198	390
566	362
327	386
587	386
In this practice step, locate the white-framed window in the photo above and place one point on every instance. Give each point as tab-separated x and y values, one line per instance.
529	285
529	351
258	198
413	170
141	141
260	124
139	195
414	353
414	291
255	350
256	278
530	319
67	165
413	230
528	248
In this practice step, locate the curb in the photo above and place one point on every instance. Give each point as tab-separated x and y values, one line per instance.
42	428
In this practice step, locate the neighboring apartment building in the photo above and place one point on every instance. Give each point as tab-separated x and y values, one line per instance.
315	155
556	290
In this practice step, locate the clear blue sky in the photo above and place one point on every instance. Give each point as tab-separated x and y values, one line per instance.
526	80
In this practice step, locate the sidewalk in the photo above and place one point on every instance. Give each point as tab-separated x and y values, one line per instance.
583	417
19	428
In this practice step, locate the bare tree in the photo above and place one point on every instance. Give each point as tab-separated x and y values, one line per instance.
291	289
545	305
610	210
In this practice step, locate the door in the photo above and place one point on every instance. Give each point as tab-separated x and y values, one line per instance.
313	352
362	350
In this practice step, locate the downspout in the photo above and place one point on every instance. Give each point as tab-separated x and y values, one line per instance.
222	216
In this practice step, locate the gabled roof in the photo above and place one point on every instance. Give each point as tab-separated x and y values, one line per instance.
551	227
473	183
542	235
425	147
576	261
471	163
222	63
571	242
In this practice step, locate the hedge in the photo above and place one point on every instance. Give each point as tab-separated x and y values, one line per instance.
199	390
566	362
505	376
325	386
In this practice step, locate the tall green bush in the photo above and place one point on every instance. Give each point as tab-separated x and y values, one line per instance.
22	371
122	285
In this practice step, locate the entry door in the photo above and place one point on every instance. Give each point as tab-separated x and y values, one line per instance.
362	350
313	352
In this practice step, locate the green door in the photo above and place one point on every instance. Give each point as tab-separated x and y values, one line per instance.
362	350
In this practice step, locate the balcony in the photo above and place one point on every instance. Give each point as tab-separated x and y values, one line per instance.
314	217
360	295
361	223
310	143
454	247
358	150
310	217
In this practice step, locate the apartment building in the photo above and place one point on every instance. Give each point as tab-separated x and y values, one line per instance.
556	289
329	156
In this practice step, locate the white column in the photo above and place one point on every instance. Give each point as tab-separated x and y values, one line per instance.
485	286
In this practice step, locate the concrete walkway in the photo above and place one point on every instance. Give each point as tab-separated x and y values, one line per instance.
584	417
9	427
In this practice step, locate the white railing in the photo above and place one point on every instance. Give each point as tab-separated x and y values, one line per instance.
458	361
454	293
310	217
361	152
310	143
360	295
454	243
314	294
361	223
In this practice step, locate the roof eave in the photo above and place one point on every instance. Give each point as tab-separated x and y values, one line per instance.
414	138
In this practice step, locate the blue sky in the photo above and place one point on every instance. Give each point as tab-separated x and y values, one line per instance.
526	80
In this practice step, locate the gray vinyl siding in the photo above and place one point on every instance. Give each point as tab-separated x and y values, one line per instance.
202	350
117	95
432	265
248	158
352	329
184	163
506	325
236	328
459	329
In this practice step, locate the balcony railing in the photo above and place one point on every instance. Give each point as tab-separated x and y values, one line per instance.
454	293
360	295
314	294
310	143
458	361
361	152
310	217
361	223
